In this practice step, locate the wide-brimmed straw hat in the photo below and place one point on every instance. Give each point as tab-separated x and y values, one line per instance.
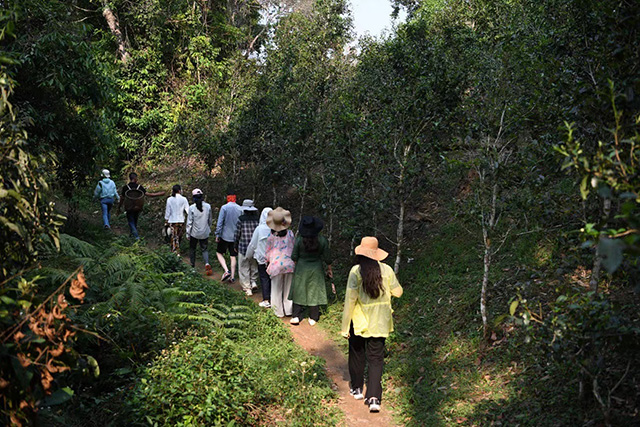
310	226
247	205
279	219
369	247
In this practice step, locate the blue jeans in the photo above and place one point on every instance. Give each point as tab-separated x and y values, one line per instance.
107	204
132	219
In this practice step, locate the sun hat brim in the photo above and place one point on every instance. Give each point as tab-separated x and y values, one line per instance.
377	254
281	226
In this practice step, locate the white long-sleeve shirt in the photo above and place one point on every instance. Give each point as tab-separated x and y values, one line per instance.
258	244
177	207
199	223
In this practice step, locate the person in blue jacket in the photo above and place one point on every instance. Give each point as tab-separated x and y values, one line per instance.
107	193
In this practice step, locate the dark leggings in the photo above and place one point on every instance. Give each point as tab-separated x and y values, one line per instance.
314	311
265	282
370	350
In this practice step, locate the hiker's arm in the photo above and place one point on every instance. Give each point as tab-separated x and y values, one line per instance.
96	192
350	299
237	235
219	224
253	244
396	289
167	212
189	223
156	194
121	201
295	253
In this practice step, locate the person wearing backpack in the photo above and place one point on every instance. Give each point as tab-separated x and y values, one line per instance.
106	192
133	195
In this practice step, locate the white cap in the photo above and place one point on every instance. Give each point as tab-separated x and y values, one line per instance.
196	192
106	173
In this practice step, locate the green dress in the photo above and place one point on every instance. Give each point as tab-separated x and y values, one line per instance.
308	286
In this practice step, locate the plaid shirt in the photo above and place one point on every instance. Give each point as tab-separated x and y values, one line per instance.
244	232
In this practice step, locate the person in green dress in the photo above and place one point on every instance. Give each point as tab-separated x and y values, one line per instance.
310	253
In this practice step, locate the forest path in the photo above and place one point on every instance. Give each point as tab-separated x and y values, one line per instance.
312	339
317	343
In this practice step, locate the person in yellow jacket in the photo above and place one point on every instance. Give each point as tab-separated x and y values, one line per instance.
367	320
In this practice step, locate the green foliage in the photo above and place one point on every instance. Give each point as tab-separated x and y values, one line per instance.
590	339
611	169
209	379
200	381
65	87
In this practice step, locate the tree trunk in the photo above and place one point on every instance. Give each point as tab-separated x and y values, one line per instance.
399	236
597	262
304	191
275	196
114	26
485	283
487	231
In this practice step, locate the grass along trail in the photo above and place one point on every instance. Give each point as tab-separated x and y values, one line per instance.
316	342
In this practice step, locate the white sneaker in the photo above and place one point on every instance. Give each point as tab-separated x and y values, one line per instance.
294	321
374	404
265	304
312	322
248	292
356	393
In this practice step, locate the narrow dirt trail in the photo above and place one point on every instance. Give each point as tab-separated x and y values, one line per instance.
317	343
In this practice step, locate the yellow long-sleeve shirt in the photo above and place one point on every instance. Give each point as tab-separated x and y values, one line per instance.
371	316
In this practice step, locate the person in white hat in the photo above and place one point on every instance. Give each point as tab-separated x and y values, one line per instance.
367	320
107	193
199	220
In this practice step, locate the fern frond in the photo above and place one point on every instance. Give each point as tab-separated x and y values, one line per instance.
228	323
191	305
74	247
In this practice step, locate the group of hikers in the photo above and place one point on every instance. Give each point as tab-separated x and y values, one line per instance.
291	270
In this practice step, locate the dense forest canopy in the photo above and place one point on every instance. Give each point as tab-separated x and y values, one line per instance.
517	122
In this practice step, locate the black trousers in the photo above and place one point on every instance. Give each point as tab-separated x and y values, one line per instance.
314	311
371	350
265	282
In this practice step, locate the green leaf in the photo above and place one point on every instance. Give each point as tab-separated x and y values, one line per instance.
94	365
9	301
513	307
58	397
584	189
611	252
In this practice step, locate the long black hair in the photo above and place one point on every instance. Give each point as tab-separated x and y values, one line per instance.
311	243
176	189
198	198
280	233
371	276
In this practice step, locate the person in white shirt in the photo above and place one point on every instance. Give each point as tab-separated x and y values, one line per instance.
256	249
199	221
177	207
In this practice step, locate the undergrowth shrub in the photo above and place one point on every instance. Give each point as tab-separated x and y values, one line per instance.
200	381
175	348
594	343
